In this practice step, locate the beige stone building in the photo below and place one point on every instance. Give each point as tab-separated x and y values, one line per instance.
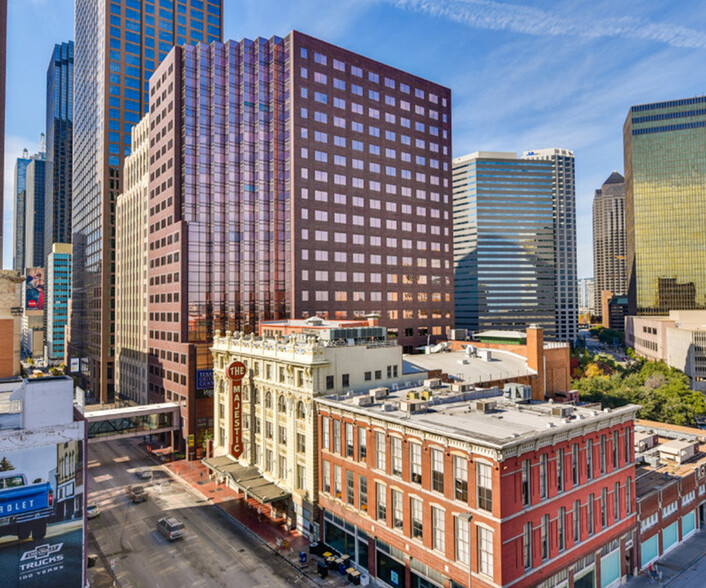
131	272
10	318
284	375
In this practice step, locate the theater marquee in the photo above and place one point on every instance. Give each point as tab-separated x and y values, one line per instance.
236	372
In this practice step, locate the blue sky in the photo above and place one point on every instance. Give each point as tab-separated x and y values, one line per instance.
524	75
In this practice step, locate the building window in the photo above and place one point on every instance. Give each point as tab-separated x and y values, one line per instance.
282	469
627	446
396	455
397	515
527	546
380	451
337	436
485	551
526	474
415	462
363	493
628	496
326	468
329	382
362	444
350	487
616	450
460	478
543	475
437	528
381	499
301	443
484	477
345	380
577	521
462	547
545	537
560	470
560	528
300	410
589	459
603	455
349	440
282	434
616	502
416	512
591	498
437	470
325	433
337	481
301	477
575	463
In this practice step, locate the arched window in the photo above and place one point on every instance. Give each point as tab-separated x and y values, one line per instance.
256	396
281	404
300	410
268	399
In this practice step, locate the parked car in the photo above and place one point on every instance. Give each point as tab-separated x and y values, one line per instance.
92	511
137	494
170	528
144	474
24	507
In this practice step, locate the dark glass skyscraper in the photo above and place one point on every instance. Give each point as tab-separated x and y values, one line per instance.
665	206
504	242
20	193
60	116
119	43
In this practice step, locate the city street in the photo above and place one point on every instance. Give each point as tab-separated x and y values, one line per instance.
213	552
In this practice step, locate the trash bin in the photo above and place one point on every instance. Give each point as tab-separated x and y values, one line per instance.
302	557
91	560
322	569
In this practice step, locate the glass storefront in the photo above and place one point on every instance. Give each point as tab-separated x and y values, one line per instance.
390	570
587	580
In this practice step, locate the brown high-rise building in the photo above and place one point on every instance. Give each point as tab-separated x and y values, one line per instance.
118	45
609	239
289	178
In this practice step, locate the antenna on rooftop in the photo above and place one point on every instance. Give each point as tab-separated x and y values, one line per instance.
42	143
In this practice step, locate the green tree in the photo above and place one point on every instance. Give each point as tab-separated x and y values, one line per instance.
5	465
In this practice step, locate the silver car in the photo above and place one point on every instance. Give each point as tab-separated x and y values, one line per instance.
170	528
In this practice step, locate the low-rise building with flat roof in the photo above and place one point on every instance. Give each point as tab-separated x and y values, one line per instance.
449	485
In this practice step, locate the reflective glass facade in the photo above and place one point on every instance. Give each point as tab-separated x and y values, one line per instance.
119	43
504	242
34	212
60	116
609	239
665	204
18	257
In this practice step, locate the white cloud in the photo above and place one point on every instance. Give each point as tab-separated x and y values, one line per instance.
488	14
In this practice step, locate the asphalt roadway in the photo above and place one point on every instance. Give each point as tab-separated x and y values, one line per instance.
214	552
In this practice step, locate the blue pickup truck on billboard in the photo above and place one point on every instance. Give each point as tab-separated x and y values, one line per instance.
24	508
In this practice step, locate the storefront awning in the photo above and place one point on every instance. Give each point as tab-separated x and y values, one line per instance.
247	479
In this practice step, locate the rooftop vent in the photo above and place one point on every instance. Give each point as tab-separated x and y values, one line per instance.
518	393
562	411
485	405
432	383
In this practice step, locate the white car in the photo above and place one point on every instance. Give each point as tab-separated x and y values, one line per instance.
144	474
92	511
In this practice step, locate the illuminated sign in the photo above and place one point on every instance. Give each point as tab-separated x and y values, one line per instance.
204	379
235	372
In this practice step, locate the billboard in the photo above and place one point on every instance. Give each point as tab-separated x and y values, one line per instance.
41	516
34	288
236	373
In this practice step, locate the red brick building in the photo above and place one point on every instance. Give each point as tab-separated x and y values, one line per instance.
424	488
671	486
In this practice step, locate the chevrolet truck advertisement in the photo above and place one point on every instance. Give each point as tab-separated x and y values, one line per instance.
41	516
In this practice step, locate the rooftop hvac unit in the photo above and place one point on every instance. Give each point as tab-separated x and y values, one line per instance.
413	395
425	394
485	405
470	351
432	383
562	411
412	406
518	393
485	354
461	387
458	334
379	393
363	400
390	406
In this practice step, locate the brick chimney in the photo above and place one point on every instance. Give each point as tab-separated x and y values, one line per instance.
373	320
535	359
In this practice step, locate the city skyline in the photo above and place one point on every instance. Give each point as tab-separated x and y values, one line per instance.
572	88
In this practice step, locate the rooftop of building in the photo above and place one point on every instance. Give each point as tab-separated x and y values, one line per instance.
317	322
688	320
659	464
481	365
484	416
500	335
49	396
615	178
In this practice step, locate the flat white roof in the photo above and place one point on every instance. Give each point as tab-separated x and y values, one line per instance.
503	365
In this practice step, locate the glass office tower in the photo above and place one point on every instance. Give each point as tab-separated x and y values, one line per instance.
20	193
665	206
118	45
60	92
57	306
34	212
504	252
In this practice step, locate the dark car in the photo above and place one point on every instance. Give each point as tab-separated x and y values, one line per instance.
170	528
137	493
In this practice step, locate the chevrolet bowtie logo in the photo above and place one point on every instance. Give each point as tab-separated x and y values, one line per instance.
41	551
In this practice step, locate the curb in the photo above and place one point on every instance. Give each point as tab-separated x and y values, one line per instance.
239	524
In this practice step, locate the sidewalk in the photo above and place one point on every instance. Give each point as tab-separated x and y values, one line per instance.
676	563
